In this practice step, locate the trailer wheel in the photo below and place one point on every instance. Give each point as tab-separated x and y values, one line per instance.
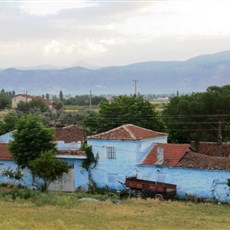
148	193
159	196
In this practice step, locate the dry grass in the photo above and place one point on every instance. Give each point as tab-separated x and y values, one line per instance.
130	214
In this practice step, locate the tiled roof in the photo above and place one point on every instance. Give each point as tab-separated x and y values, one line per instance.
23	95
70	134
201	161
128	132
172	154
5	154
210	148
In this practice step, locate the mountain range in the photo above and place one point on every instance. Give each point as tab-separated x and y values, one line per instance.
152	77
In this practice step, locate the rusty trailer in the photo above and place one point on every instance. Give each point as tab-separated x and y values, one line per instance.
151	189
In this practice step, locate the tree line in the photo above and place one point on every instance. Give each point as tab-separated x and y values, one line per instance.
193	117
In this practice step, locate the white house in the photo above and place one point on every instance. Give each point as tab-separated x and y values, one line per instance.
27	98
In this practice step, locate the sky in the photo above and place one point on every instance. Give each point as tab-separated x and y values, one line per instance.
110	33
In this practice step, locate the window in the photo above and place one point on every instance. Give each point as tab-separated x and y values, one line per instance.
110	152
112	178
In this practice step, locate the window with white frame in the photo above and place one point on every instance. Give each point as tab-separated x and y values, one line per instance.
110	152
112	177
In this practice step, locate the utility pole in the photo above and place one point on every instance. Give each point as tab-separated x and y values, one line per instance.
90	99
219	138
135	86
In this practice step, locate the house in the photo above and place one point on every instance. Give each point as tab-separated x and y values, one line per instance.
68	141
194	174
131	150
120	150
27	98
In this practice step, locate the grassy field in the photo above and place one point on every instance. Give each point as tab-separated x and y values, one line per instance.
130	214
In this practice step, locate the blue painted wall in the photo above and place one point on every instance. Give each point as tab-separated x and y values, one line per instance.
80	175
128	153
197	182
10	164
7	137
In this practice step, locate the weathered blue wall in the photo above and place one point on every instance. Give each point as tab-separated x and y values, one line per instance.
128	153
80	175
10	164
109	171
202	183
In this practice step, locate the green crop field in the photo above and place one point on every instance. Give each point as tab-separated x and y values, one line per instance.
129	214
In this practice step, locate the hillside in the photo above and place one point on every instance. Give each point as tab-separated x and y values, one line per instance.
153	77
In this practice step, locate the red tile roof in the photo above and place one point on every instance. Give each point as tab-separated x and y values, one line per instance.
23	95
70	134
201	161
210	148
128	132
5	153
172	154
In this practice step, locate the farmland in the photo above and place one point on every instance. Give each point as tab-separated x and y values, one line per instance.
129	214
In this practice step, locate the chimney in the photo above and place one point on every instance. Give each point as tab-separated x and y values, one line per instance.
160	155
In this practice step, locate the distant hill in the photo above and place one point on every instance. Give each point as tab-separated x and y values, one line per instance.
153	77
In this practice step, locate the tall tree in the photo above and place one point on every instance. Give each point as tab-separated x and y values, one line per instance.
61	95
30	139
197	117
124	110
5	102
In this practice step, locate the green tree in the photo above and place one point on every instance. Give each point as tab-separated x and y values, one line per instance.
61	96
124	110
9	122
48	167
30	139
197	117
36	105
5	102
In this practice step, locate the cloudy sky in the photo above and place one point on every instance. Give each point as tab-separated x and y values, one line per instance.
103	33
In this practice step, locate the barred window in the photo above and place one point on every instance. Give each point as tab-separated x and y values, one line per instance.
110	152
